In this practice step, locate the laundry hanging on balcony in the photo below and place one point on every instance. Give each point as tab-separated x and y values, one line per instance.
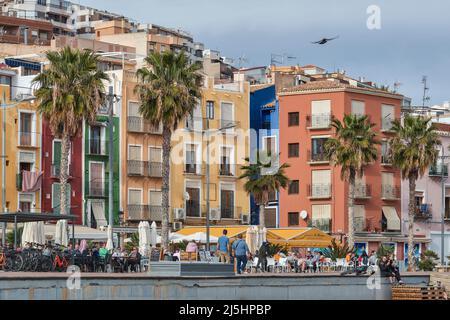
31	181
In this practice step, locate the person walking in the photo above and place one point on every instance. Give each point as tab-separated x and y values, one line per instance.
241	250
262	256
223	247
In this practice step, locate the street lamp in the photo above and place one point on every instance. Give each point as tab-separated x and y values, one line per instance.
210	115
442	157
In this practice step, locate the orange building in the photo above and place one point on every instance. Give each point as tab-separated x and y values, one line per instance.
316	195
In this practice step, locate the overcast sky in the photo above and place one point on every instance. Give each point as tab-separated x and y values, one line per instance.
414	39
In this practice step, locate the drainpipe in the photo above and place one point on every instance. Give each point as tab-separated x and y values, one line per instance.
4	166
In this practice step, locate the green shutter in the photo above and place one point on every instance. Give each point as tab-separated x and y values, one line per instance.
56	152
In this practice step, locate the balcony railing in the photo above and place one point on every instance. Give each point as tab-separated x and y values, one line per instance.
56	170
321	224
96	188
193	208
423	211
29	139
319	191
319	121
144	168
438	170
386	124
317	157
389	192
193	168
139	124
266	125
228	170
144	212
360	224
385	159
98	147
363	191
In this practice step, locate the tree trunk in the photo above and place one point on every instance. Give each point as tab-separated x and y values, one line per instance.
63	174
167	135
411	212
351	220
262	220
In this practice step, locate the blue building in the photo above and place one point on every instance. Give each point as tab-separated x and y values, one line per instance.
264	123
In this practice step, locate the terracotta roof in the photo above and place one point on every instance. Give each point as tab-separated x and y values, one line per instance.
442	126
325	85
256	87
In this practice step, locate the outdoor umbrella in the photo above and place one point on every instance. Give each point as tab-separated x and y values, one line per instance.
144	238
61	235
40	233
25	233
261	236
173	237
109	243
153	234
199	237
250	238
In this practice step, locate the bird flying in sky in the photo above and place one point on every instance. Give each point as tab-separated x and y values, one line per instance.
324	40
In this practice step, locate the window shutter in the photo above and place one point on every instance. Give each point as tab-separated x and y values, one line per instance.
321	211
133	109
387	111
155	154
134	152
321	107
134	196
358	107
321	177
155	197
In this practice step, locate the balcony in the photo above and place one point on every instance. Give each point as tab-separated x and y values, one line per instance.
55	171
360	224
389	192
227	170
319	191
317	157
140	125
321	224
28	140
385	160
192	168
230	212
423	212
386	124
319	121
98	147
438	170
140	168
96	188
144	212
266	125
363	191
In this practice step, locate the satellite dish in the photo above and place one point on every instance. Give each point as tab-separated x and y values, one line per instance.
187	197
304	214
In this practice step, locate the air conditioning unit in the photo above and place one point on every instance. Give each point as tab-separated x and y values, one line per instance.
177	225
245	218
214	214
179	214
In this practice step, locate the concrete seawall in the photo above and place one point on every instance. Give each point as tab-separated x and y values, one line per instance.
46	286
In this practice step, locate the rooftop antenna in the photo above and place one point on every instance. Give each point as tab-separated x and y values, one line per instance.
242	60
425	90
274	59
396	86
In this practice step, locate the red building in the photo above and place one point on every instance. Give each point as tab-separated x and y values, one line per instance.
51	155
316	195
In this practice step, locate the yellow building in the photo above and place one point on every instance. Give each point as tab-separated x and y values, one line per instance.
22	143
227	105
141	159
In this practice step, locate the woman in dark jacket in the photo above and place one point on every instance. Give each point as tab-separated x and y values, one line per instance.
262	256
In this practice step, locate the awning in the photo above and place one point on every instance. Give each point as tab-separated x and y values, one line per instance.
215	231
30	217
99	214
393	221
81	232
304	237
23	63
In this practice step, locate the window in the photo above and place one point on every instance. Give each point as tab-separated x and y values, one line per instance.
191	166
385	152
226	115
358	107
269	145
321	183
96	173
320	114
56	197
26	128
293	187
193	200
226	167
135	165
293	119
293	219
135	207
318	150
226	203
134	196
387	116
293	150
210	109
25	202
321	217
96	143
359	216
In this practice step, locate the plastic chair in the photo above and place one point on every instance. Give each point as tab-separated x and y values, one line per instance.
283	265
270	264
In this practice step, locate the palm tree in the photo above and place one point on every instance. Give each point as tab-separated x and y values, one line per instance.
413	150
353	148
169	88
260	185
70	90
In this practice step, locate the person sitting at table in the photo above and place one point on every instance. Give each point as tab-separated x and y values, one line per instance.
301	263
176	255
103	251
192	248
134	259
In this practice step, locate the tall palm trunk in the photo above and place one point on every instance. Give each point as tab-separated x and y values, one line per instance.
64	173
262	220
167	135
351	220
411	211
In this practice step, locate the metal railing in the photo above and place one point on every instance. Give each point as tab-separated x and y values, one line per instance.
227	169
317	156
389	192
360	224
362	191
139	124
423	211
438	170
321	224
55	170
144	168
193	208
98	147
144	212
29	139
319	121
385	159
267	125
319	190
193	168
96	188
